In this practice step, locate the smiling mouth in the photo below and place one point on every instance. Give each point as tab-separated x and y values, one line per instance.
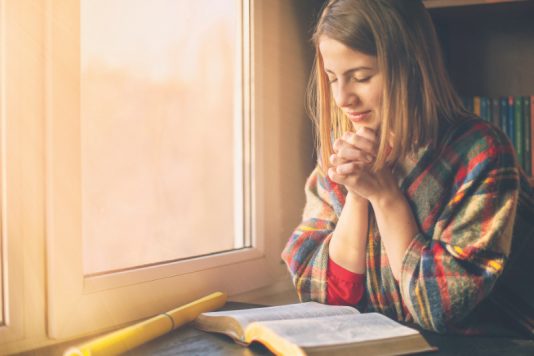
358	116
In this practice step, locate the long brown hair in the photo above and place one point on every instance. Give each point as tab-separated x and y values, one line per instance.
418	97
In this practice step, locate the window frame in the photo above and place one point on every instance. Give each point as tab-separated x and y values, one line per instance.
20	167
76	304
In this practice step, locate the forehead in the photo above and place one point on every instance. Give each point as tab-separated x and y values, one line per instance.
338	57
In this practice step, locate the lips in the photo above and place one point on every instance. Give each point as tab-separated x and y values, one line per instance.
358	116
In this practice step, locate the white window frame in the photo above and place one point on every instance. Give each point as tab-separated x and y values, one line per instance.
20	168
77	304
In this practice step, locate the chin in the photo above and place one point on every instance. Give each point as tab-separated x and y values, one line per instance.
372	125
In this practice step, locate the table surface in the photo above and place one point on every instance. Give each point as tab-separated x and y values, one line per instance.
190	341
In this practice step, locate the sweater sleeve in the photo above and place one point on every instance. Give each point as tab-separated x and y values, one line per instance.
447	273
306	252
344	287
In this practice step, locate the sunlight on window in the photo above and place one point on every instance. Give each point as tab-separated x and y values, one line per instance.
158	118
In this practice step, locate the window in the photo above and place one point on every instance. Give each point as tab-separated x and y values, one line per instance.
161	107
48	178
147	139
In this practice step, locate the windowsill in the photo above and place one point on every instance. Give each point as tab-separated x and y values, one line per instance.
279	293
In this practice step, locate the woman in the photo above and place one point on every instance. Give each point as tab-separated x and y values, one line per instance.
416	209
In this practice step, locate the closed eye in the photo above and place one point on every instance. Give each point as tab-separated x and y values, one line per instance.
361	80
332	80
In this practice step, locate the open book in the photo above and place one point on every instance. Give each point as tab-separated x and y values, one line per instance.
314	328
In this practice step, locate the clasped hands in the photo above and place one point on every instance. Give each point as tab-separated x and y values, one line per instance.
354	154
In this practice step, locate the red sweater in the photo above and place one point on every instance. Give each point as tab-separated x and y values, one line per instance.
344	286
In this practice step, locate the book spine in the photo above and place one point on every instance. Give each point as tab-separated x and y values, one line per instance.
527	154
495	112
487	107
476	106
511	119
487	104
518	111
503	114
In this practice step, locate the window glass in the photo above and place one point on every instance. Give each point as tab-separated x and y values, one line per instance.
158	124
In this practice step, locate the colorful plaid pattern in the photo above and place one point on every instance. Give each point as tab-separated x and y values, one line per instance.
464	195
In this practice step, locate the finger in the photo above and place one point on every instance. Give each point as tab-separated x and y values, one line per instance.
335	177
336	160
346	180
350	153
346	138
364	138
367	144
349	168
338	143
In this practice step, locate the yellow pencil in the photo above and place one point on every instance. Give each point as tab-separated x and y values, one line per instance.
132	336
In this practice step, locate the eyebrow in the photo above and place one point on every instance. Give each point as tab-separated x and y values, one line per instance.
350	71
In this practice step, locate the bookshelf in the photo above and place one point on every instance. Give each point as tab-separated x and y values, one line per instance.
449	3
488	45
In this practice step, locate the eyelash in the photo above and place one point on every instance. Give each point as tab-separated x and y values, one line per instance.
363	80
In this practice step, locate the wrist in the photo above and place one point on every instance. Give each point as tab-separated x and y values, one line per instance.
355	198
387	199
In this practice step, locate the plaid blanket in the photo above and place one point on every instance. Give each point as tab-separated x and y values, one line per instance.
471	202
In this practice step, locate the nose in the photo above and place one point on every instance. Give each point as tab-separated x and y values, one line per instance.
344	96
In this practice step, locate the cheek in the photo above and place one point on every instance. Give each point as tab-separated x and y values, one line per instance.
375	91
371	95
375	96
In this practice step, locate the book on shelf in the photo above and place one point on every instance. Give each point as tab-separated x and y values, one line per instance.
485	108
527	121
314	328
518	125
514	115
511	119
503	114
476	105
495	112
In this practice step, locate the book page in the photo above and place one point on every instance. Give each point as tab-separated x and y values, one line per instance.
338	330
284	312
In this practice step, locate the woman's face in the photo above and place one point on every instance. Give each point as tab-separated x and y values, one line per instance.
355	81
